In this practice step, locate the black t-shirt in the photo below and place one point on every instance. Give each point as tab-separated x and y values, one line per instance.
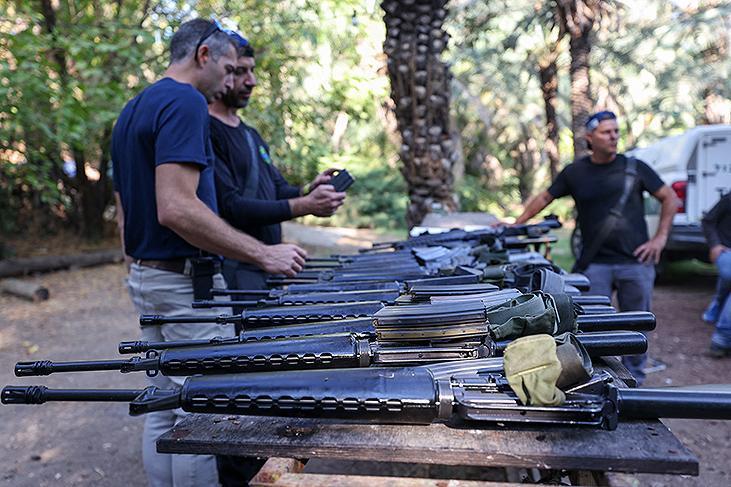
717	223
596	188
260	214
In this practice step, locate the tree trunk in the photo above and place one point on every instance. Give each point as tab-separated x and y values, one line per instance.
581	104
46	263
91	197
548	72
527	158
576	18
31	291
420	91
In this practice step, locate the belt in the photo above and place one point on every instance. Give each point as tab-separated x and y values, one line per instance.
175	265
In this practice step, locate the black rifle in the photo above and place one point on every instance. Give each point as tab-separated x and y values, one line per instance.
345	350
444	313
394	295
456	235
464	276
640	321
283	315
388	296
454	392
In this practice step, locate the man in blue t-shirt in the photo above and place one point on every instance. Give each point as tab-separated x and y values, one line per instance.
252	194
166	206
623	259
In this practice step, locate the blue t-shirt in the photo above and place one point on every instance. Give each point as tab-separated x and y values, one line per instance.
166	123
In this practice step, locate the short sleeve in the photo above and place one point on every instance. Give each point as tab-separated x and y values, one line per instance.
182	132
560	186
651	182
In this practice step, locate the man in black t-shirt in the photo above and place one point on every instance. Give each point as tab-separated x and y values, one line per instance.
254	197
717	229
624	260
252	194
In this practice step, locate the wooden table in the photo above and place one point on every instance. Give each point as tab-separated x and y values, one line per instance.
637	446
634	447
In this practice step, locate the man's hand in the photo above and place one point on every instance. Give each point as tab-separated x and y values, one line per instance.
716	251
284	259
323	178
324	200
650	251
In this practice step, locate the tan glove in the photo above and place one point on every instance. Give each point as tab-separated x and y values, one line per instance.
532	369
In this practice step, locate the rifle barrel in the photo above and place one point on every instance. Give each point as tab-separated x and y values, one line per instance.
674	403
629	320
240	292
595	299
155	320
602	344
227	304
47	367
42	394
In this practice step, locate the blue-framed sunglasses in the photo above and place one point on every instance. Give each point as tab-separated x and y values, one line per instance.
217	27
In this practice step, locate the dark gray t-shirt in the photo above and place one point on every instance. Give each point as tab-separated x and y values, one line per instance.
717	223
596	188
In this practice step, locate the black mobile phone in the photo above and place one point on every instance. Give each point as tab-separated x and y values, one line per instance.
342	180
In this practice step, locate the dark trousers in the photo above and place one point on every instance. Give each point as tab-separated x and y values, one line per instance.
234	471
633	283
243	276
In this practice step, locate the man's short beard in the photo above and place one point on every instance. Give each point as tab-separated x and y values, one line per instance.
232	101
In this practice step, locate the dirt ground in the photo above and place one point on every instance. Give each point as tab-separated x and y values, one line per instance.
99	444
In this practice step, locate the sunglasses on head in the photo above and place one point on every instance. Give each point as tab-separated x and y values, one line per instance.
240	40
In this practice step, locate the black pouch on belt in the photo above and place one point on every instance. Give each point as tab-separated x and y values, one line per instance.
202	271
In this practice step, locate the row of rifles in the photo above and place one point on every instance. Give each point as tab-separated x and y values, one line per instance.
411	331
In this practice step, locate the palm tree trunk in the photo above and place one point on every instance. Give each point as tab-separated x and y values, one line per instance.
548	72
581	104
420	92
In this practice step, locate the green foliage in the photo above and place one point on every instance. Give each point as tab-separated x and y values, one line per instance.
377	200
650	65
323	95
63	80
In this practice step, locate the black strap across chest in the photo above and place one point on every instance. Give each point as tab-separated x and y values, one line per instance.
615	214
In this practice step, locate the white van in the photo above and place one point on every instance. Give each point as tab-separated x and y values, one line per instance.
697	166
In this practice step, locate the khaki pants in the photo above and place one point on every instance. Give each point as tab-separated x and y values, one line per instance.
166	293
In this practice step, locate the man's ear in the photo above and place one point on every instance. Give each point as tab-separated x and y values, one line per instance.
204	53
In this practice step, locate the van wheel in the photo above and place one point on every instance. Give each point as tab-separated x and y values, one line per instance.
575	243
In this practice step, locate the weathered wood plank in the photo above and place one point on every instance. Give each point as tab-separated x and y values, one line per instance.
274	469
325	480
637	446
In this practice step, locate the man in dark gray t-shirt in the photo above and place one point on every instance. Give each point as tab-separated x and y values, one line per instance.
624	260
717	229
